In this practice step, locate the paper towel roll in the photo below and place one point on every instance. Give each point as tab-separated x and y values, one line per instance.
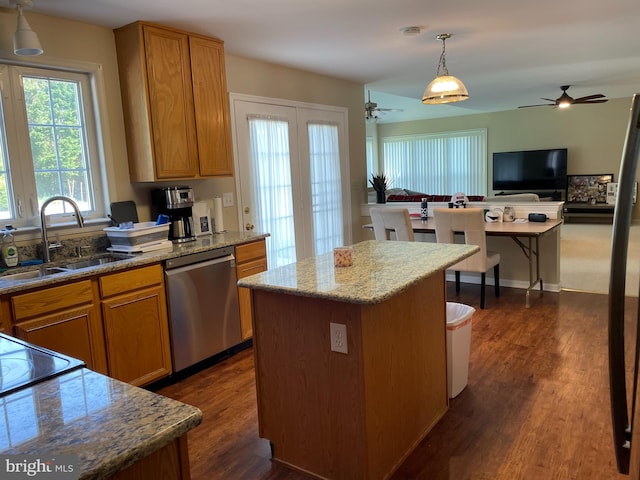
217	215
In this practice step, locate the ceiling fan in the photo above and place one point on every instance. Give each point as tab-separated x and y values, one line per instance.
371	109
565	101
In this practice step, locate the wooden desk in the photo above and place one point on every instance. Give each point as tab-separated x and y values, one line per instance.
525	235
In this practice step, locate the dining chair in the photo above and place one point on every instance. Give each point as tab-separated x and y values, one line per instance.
386	220
470	221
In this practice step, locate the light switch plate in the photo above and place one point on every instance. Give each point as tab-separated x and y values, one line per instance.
227	199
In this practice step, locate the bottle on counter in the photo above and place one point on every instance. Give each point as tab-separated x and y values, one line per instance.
9	249
424	209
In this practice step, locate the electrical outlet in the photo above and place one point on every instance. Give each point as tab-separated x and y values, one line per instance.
227	199
338	337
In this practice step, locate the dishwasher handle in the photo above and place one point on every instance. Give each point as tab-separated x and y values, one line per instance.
226	259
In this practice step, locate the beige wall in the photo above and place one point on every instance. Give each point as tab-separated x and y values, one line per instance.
69	41
593	134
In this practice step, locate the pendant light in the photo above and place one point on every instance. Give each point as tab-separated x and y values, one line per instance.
444	88
25	40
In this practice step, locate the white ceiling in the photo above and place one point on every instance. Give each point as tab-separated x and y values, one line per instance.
507	52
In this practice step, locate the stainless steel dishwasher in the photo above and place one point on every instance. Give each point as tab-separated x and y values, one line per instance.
203	305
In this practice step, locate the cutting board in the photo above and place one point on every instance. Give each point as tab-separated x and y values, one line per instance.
124	211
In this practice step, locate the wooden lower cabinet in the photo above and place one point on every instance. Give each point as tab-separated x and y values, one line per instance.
251	258
171	462
116	323
136	328
65	319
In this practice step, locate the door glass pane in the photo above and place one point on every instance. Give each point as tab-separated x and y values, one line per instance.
326	192
272	189
58	140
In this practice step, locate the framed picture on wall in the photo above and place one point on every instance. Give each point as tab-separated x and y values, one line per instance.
588	188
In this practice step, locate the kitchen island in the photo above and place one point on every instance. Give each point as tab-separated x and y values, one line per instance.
116	430
351	361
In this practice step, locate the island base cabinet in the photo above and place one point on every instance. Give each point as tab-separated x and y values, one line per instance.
171	462
356	415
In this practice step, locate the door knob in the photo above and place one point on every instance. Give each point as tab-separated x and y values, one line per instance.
249	226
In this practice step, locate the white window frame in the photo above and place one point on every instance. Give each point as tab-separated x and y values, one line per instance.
22	179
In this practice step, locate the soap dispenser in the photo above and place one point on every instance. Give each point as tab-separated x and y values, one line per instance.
9	249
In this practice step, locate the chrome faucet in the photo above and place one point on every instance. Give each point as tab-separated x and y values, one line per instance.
46	255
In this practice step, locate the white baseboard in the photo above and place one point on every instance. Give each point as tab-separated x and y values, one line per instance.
468	278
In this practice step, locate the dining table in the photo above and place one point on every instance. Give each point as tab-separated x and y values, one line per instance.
524	233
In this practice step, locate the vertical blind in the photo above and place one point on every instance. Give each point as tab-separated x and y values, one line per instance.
438	164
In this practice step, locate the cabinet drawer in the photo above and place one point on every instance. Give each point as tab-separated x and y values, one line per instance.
51	299
249	268
125	282
251	251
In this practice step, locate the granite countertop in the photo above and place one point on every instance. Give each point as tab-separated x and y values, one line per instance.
201	244
380	270
108	424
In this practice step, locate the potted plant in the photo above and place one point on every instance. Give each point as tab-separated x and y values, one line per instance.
379	182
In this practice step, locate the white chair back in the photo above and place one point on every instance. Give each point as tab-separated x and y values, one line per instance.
391	219
470	221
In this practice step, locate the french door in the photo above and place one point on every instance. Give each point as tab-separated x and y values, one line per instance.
292	176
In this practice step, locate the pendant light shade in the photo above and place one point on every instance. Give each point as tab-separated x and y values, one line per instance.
25	40
444	88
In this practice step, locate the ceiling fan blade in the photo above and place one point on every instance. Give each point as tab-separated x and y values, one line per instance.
389	110
552	100
539	105
591	101
588	97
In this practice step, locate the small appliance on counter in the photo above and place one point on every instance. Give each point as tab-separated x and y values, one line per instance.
177	203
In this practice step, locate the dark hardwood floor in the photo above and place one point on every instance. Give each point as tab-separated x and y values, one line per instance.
536	406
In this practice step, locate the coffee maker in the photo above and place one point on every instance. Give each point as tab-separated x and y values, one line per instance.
176	202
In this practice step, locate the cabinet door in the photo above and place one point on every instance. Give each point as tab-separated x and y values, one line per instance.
64	318
211	106
137	336
67	332
251	258
171	103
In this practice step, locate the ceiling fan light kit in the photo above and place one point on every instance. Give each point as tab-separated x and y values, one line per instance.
565	101
444	88
371	110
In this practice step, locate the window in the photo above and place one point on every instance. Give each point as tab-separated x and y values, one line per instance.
369	156
438	164
48	143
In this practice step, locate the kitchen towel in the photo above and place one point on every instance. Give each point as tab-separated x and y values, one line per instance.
217	215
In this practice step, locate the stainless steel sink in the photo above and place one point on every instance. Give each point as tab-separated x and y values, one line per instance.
41	272
95	261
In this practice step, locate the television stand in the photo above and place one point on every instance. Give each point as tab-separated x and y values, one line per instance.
578	212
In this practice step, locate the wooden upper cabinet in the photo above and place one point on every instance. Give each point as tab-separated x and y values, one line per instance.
175	104
211	106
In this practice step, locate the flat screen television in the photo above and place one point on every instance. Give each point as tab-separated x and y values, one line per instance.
530	170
